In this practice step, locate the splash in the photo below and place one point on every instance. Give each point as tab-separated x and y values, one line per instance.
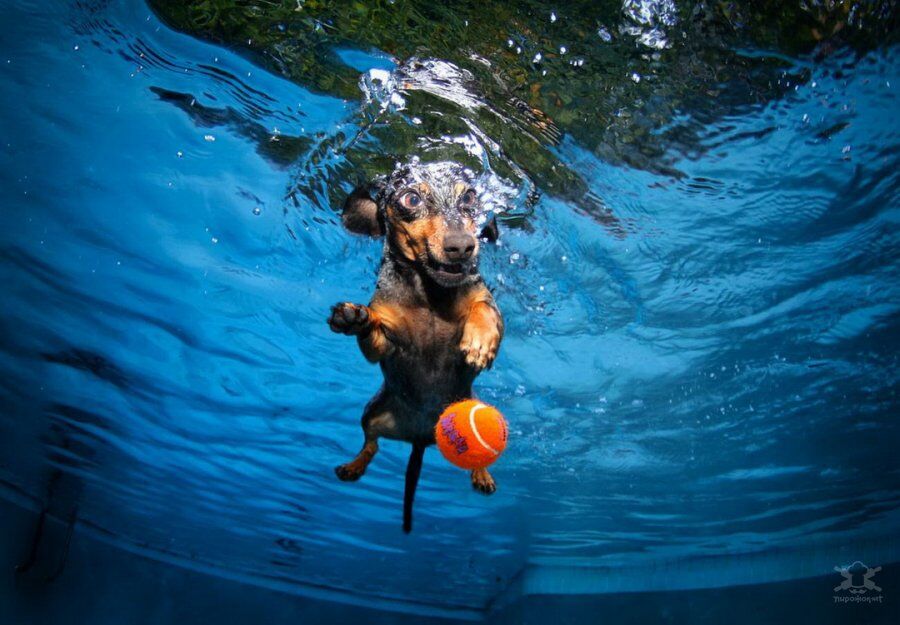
648	21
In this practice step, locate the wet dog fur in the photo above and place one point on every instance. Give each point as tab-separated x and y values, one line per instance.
432	324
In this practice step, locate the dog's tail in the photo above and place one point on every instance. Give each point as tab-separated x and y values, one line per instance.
413	468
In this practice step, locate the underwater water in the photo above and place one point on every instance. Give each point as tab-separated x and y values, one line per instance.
698	270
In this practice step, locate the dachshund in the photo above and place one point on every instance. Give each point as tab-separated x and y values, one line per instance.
432	324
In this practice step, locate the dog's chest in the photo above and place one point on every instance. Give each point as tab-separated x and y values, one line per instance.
428	368
433	336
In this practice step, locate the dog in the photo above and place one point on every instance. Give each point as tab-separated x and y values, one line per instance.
432	324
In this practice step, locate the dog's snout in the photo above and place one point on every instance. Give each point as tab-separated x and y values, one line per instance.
459	246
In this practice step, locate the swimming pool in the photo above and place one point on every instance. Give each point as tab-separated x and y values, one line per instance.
698	268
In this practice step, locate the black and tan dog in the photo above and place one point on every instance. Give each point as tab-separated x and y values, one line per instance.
432	324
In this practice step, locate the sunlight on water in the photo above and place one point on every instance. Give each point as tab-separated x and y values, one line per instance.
697	268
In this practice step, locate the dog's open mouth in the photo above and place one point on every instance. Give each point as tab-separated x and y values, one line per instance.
453	269
449	272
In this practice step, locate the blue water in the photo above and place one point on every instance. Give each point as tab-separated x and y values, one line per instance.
712	380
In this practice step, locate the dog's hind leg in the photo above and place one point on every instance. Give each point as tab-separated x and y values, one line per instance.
377	421
483	482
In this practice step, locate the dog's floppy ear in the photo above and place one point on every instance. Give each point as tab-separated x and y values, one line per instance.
490	232
361	214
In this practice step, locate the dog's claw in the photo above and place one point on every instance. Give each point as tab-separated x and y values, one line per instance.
350	319
483	482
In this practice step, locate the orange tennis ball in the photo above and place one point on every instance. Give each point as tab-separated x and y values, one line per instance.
471	434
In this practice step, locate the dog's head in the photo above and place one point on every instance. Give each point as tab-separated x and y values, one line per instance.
432	217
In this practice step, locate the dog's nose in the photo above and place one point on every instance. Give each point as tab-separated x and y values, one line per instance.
459	246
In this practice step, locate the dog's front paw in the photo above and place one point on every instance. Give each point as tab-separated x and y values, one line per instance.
483	482
480	344
351	319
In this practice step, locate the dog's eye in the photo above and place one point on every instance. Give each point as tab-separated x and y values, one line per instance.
411	200
467	199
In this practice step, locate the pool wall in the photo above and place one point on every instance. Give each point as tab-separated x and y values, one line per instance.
103	584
